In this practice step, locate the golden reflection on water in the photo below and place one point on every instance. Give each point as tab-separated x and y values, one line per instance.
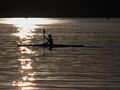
25	30
30	21
27	75
27	26
26	63
24	33
21	84
25	50
25	81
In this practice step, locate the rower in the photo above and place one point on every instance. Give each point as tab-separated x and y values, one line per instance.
49	41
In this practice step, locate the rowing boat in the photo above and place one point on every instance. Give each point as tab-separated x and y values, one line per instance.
54	45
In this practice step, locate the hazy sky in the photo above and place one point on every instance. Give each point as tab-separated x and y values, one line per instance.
60	8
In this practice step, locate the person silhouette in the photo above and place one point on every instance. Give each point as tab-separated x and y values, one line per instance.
49	41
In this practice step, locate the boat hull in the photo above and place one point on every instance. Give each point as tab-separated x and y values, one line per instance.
54	45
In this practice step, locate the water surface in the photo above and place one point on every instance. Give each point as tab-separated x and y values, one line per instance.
69	68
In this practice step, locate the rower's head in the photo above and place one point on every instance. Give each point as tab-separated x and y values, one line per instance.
49	35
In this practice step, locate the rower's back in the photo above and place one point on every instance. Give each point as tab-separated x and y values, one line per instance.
50	42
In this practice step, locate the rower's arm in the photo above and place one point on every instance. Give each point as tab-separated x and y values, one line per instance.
46	38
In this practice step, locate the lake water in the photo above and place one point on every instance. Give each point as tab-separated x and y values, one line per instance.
64	68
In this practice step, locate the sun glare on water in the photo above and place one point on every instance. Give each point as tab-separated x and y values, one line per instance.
21	22
27	25
28	22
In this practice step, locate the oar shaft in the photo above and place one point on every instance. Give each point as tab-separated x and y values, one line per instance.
43	42
44	31
43	35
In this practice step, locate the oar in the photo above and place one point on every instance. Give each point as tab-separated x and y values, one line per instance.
43	35
43	42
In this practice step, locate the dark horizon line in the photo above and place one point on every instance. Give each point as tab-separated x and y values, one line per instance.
36	16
